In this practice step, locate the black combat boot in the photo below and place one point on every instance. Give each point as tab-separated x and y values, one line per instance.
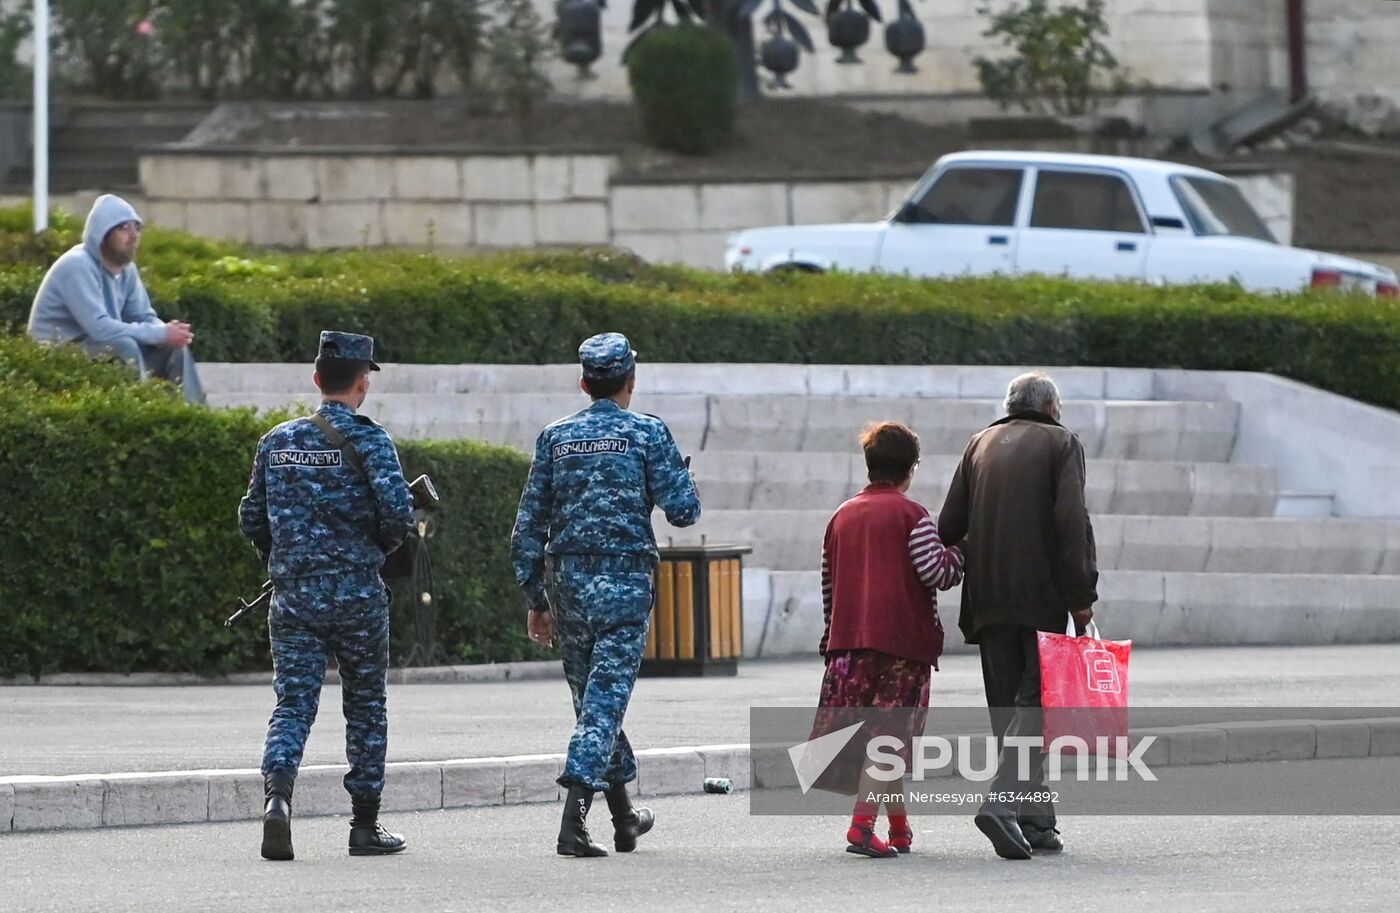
277	815
1042	839
367	836
573	830
629	823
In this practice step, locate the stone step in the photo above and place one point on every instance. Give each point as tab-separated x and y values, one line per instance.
127	138
791	540
1127	429
783	610
126	115
64	179
924	381
748	480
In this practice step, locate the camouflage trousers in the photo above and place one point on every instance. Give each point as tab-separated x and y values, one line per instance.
345	616
601	606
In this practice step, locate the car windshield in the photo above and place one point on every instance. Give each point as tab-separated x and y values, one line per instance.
1216	207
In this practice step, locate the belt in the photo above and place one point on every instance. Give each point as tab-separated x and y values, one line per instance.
603	564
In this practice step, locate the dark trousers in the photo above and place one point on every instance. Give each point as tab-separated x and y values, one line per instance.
1011	677
174	365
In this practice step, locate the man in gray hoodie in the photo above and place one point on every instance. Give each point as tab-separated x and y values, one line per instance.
93	296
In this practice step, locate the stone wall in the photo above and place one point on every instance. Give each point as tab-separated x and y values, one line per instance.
1271	193
1351	60
1164	42
445	202
688	223
458	202
323	201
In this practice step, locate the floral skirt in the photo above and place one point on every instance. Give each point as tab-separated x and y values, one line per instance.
857	687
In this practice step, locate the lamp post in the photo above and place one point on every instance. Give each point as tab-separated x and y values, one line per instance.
41	115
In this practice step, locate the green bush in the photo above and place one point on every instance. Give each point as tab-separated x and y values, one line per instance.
121	540
685	80
534	308
14	28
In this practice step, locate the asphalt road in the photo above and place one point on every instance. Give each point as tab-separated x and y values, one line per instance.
708	854
71	730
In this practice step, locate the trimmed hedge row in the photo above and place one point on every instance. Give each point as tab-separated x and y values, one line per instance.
534	308
122	550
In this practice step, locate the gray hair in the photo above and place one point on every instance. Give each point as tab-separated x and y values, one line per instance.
1032	392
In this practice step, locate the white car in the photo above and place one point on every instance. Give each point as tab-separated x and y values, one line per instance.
1083	216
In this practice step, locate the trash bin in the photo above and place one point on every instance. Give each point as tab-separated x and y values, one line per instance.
697	626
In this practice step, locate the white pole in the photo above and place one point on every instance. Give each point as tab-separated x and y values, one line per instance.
41	115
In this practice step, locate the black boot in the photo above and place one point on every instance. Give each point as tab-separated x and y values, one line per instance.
629	823
367	836
998	823
277	815
1043	839
573	829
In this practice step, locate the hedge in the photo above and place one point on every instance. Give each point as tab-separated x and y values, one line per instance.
534	308
122	550
685	80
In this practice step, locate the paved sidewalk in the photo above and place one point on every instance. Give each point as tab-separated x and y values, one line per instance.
76	730
709	855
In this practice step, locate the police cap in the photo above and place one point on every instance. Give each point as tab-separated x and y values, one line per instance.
347	347
606	356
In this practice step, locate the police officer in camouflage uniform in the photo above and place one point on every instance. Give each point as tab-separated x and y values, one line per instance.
324	526
583	536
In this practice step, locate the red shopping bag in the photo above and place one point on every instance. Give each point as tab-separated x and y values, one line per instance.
1084	690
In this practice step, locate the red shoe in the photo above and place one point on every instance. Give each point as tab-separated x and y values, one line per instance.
901	839
863	842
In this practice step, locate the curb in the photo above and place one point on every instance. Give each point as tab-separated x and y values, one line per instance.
407	675
193	796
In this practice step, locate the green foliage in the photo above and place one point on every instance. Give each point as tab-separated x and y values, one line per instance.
14	28
533	308
685	80
102	41
122	546
478	604
267	48
519	44
1061	63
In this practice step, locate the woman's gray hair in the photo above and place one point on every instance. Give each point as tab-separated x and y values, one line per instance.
1032	392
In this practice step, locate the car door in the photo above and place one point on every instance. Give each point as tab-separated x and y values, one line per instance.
1085	224
962	223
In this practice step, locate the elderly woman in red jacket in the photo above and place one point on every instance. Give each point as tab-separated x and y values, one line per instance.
882	564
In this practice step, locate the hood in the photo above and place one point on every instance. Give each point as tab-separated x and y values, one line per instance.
108	211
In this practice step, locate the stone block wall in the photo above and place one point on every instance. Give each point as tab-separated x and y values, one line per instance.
688	223
320	201
1351	60
357	200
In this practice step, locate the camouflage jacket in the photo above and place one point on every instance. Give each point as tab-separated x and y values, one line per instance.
309	512
595	478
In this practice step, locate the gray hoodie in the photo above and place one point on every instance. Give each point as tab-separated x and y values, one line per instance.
80	301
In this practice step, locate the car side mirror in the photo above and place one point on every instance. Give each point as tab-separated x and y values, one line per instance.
909	212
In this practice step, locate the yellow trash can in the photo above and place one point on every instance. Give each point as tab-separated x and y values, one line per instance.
697	626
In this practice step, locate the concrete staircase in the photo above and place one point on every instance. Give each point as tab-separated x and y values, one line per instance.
95	146
1190	545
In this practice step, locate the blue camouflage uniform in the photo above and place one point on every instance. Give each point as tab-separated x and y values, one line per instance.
324	528
587	505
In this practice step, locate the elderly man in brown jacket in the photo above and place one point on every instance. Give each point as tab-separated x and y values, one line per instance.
1017	498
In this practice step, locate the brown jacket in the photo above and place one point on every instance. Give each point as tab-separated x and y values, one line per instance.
1018	499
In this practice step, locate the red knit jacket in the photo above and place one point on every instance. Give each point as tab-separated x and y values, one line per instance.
882	563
